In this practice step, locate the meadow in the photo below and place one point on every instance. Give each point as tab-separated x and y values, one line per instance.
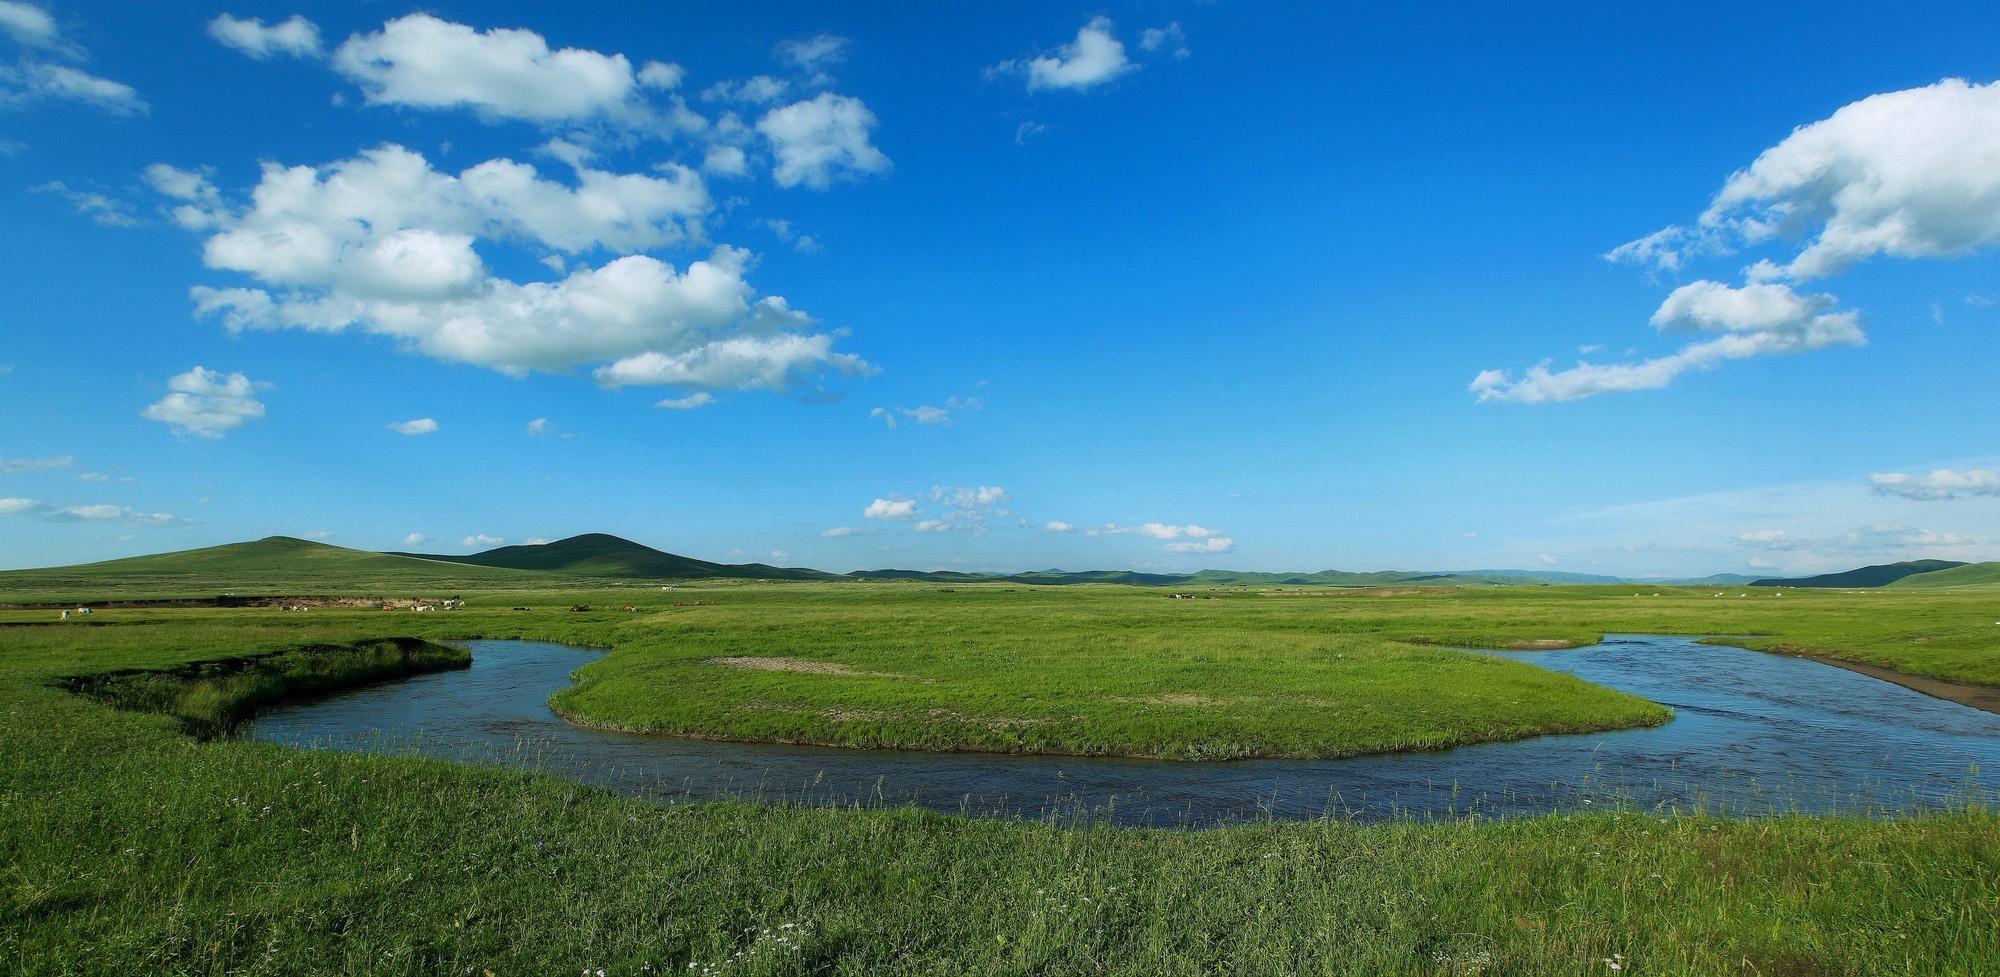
127	845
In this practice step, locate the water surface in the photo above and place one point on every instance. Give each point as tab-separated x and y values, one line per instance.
1752	734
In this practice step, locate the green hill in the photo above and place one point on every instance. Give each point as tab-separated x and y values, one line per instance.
604	555
1968	575
1880	575
277	565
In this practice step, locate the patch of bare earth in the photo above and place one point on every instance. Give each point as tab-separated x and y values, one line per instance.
760	663
1541	644
1171	699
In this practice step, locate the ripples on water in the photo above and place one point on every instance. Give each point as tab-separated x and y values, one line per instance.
1753	734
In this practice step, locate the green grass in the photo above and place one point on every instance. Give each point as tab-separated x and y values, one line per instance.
1084	671
129	847
1970	575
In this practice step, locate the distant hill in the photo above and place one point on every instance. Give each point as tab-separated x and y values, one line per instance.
276	565
603	555
1712	580
1880	575
1968	575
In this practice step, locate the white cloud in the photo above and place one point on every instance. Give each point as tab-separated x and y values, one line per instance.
1908	174
416	539
296	38
813	55
1094	58
28	82
28	24
1055	526
11	466
839	532
981	497
700	398
100	208
925	413
207	403
385	243
659	74
15	507
722	160
888	509
124	515
1759	319
755	90
101	477
422	425
1164	531
540	428
481	539
1942	483
535	541
821	139
1170	39
420	61
1213	544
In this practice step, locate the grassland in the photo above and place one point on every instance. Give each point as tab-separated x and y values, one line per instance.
128	847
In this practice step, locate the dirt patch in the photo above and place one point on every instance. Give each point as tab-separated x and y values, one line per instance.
1170	699
1542	644
760	663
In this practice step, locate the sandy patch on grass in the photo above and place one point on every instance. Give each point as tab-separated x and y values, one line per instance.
1541	644
1171	699
760	663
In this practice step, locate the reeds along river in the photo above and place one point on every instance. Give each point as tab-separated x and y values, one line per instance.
1753	734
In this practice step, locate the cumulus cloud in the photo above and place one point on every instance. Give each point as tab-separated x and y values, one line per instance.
384	243
1094	58
1908	174
16	507
1758	319
420	61
422	425
891	509
416	539
839	532
755	90
1213	544
12	466
1942	483
1057	526
820	140
979	497
296	38
207	403
481	539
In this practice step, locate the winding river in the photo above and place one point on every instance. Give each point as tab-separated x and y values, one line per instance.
1753	734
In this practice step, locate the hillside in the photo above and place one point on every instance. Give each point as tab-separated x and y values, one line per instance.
604	555
1880	575
1968	575
276	565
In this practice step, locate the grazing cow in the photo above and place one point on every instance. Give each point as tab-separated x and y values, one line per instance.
580	607
631	608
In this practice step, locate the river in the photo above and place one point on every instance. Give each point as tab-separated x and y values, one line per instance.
1753	734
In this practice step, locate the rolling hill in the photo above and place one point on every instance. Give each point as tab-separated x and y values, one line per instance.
1879	575
1968	575
604	555
276	565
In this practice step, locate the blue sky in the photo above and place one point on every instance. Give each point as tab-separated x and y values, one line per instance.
1163	285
